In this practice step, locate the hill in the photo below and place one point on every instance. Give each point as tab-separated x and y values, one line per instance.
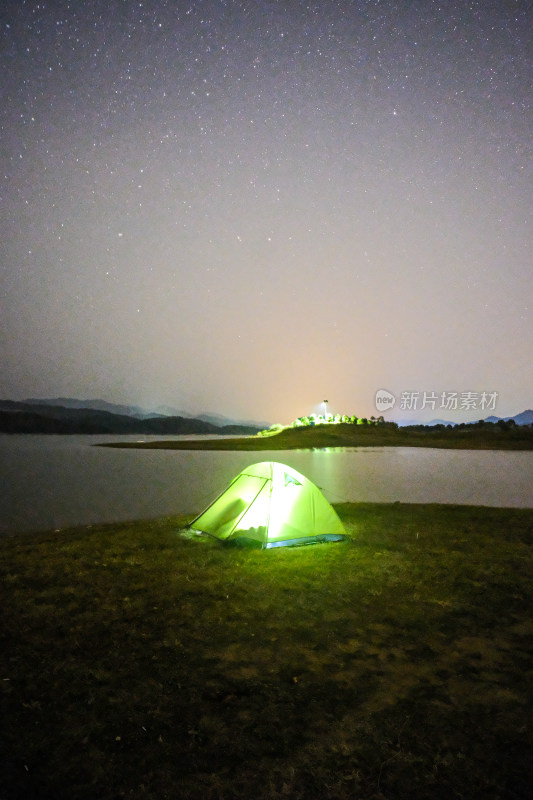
218	420
524	418
487	436
31	417
97	405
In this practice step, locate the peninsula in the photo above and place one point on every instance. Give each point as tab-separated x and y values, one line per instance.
475	436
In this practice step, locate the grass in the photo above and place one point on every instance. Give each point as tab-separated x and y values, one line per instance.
472	437
138	662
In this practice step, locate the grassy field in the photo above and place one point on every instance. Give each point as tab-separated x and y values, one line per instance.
140	662
488	437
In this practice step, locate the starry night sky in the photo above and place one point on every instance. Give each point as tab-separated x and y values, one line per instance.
247	207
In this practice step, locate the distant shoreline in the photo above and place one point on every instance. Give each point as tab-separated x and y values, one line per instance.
346	435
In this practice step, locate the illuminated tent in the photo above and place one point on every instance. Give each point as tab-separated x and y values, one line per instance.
272	505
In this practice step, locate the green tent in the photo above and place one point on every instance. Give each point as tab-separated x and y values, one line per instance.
271	505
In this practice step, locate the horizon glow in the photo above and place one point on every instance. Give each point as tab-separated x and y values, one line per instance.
243	207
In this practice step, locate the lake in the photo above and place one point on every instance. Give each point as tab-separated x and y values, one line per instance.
58	481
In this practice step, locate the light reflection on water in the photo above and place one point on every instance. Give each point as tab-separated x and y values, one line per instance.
55	481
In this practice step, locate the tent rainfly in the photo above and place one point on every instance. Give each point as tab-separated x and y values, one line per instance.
272	505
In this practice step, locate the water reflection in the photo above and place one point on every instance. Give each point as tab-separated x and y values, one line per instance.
55	481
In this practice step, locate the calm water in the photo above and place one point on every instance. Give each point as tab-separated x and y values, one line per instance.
56	481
